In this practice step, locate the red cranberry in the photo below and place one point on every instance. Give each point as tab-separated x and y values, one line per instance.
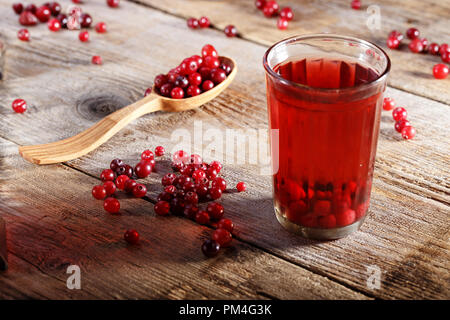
195	79
85	20
110	187
54	25
147	91
388	104
143	169
193	91
219	183
177	93
139	190
412	33
399	113
408	132
424	44
166	89
19	106
445	57
241	186
282	24
356	4
440	71
131	236
215	210
202	191
129	185
198	59
126	170
190	211
286	13
444	48
159	151
260	4
399	125
160	80
113	3
204	22
96	60
270	8
100	27
99	192
31	8
62	18
226	224
202	217
120	181
209	50
230	31
172	76
225	67
345	218
55	8
165	196
43	13
188	66
27	18
162	208
23	35
191	197
17	7
205	73
207	85
216	165
181	82
168	179
211	173
223	237
180	156
416	45
112	205
218	75
170	189
188	186
396	34
107	175
193	23
198	175
83	36
147	155
116	163
393	43
210	248
177	206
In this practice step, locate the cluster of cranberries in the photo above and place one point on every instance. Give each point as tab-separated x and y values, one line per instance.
203	22
193	76
402	125
191	182
271	9
421	45
30	15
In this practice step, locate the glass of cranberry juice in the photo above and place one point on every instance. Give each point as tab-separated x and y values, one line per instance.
324	98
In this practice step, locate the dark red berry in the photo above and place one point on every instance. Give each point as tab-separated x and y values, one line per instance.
190	211
396	34
55	8
440	71
282	24
215	210
83	36
193	23
218	75
444	48
129	185
168	179
43	14
399	114
408	132
116	163
207	85
181	82
416	45
230	31
241	186
107	175
139	190
99	192
222	237
165	196
112	205
177	93
260	4
209	50
211	173
202	217
393	43
433	48
216	165
225	67
191	197
120	181
388	104
195	79
412	33
226	224
131	236
215	193
327	222
203	22
23	35
399	125
219	183
113	3
143	169
147	91
177	206
210	248
110	187
85	20
100	27
197	59
62	18
201	190
270	8
17	7
162	208
31	8
445	57
27	18
193	91
166	89
160	80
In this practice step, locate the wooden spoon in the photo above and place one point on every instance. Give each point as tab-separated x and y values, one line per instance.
86	141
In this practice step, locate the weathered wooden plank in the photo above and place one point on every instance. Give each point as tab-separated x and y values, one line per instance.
410	72
410	176
53	222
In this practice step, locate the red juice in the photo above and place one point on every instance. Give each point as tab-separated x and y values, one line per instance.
327	141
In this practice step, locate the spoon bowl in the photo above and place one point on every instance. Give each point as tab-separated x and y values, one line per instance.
91	138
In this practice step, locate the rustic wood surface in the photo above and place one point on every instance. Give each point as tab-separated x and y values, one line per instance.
53	221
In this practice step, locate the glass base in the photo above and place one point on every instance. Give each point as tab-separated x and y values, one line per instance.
318	233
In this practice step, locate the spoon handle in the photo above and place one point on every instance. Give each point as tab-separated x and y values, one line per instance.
91	138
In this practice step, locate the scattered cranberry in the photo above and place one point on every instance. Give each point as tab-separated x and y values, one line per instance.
393	43
129	185
27	18
54	25
260	4
241	186
139	190
356	4
207	85
131	236
408	132
115	164
162	208
55	8
113	3
444	48
204	22
177	93
23	35
100	27
193	23
424	44
270	8
112	205
286	13
399	125
445	57
215	210
282	24
43	13
31	8
209	50
107	175
17	7
19	106
222	237
210	248
230	31
99	192
399	114
412	33
388	104
433	48
226	224
202	217
97	60
84	36
85	20
147	155
416	45
120	181
143	169
62	20
396	34
110	187
440	71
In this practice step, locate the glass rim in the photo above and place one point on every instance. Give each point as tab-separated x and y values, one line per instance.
360	87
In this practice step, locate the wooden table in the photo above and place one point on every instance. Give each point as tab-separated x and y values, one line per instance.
53	221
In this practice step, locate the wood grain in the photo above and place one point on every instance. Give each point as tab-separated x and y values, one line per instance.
54	225
410	72
406	233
